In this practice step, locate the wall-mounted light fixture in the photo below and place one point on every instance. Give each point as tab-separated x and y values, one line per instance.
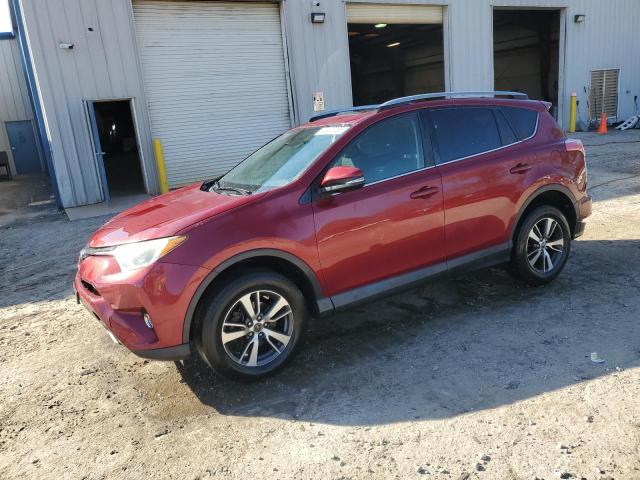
579	18
66	46
380	25
318	17
394	44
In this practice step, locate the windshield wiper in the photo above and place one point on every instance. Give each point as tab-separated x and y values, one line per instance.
239	191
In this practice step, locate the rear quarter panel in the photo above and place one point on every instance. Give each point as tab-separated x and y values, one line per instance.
553	166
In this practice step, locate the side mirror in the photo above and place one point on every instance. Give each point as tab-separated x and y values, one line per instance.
342	179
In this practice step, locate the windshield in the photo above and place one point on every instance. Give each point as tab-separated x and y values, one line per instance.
282	160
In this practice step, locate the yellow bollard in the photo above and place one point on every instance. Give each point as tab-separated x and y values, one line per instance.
572	112
162	170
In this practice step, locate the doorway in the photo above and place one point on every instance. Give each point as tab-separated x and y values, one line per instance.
395	60
117	152
526	53
24	150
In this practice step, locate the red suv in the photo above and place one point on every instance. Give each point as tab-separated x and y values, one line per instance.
352	205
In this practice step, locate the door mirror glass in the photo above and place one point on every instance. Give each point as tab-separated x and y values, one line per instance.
341	179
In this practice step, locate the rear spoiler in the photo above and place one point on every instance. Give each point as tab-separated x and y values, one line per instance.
547	105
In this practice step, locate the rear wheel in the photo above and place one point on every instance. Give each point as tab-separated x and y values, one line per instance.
251	327
542	246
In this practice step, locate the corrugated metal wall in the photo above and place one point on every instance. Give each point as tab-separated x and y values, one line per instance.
318	56
607	39
14	96
103	64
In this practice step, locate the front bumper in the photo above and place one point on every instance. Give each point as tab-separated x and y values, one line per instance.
120	300
179	352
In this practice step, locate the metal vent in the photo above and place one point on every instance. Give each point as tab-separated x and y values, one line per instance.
603	96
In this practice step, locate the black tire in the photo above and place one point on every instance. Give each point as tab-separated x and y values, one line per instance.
225	303
526	248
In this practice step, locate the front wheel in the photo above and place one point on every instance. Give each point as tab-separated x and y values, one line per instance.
251	327
542	246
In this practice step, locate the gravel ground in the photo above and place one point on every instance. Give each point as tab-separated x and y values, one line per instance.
474	377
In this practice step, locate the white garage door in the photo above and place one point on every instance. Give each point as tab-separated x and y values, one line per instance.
215	81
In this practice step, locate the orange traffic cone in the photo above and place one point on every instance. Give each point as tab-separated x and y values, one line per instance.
602	129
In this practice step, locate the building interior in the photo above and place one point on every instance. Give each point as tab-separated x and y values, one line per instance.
390	61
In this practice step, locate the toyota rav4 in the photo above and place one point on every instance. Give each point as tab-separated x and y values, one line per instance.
352	205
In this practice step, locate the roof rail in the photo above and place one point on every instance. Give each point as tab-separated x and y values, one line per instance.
429	96
338	111
396	102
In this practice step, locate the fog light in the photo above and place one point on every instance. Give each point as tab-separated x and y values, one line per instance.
147	320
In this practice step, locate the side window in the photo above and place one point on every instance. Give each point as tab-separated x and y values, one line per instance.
462	132
522	120
506	132
386	149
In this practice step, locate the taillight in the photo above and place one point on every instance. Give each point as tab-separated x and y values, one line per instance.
574	145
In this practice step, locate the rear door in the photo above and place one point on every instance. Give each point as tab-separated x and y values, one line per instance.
485	170
392	225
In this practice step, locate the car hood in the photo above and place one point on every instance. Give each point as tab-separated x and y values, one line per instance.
166	215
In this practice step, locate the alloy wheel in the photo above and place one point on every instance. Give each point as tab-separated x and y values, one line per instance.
257	328
545	245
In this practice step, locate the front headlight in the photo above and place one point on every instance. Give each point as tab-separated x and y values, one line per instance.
132	256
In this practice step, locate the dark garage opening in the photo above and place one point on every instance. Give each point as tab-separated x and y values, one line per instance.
526	45
390	61
119	143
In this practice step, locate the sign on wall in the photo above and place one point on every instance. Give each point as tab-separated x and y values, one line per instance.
318	101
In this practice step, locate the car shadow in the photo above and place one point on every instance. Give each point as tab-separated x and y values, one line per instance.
474	342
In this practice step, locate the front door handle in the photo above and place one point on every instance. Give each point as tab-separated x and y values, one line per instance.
521	168
425	192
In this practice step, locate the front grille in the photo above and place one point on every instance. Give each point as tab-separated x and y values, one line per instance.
90	288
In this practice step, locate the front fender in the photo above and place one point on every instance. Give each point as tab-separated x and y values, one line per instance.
323	305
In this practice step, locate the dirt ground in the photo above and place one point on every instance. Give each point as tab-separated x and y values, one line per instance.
474	377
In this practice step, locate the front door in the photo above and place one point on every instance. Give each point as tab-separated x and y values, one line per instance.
23	147
392	225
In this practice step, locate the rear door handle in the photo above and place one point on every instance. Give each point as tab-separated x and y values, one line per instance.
425	192
521	168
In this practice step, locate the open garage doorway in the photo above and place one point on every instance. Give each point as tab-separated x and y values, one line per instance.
116	147
394	51
526	53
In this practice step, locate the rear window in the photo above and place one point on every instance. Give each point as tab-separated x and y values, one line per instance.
522	120
462	132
